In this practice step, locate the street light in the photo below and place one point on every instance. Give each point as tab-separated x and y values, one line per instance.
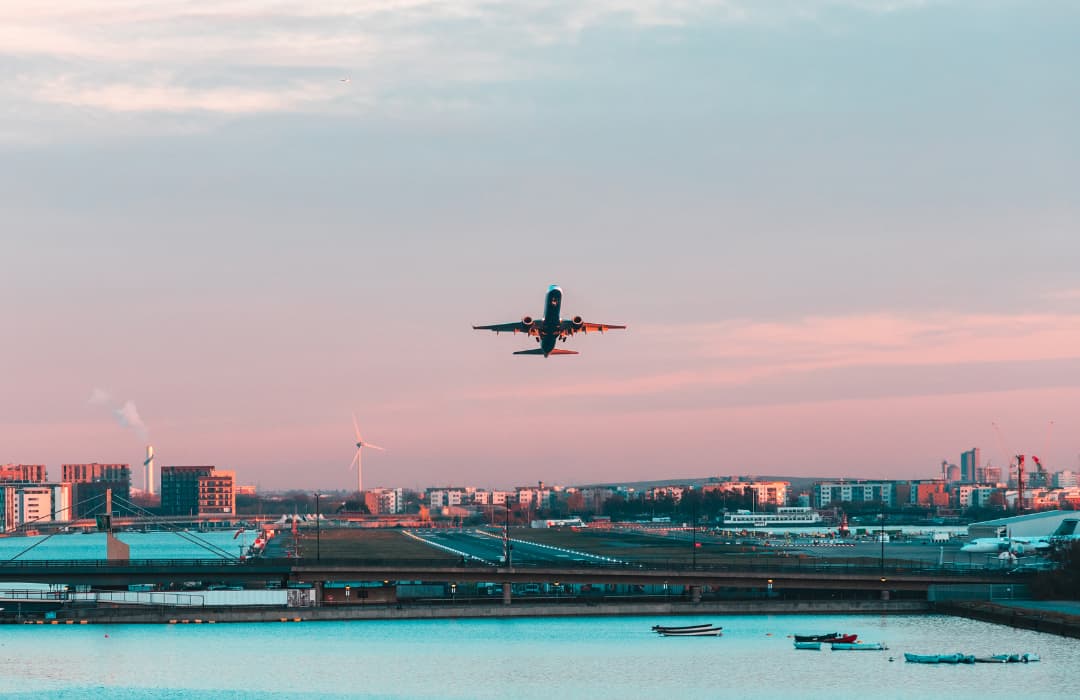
506	537
881	535
318	528
693	535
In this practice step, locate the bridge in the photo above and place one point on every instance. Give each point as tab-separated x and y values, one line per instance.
774	573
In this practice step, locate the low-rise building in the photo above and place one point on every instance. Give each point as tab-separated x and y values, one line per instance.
828	493
24	505
384	501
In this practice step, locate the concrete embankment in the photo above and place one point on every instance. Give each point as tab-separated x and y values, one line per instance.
189	615
1014	614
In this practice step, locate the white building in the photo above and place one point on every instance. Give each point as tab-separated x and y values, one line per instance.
27	504
969	495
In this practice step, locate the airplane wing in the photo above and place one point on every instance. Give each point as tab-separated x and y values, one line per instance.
515	327
601	327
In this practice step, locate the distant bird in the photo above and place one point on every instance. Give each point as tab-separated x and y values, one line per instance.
346	80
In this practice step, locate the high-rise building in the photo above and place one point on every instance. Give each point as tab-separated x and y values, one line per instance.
91	481
197	490
969	465
217	493
22	473
180	489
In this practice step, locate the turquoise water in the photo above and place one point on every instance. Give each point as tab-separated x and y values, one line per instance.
535	658
144	545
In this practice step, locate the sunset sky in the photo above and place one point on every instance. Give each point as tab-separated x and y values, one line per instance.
843	233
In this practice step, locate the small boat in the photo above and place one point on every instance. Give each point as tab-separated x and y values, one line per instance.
700	632
831	637
861	646
816	646
989	660
658	628
1015	658
922	658
949	658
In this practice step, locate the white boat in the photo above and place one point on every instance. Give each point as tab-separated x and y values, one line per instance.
699	632
786	516
684	628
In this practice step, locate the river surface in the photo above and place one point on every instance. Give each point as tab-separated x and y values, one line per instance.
593	658
144	545
528	658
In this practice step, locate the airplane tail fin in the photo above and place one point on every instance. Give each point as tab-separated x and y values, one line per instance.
538	351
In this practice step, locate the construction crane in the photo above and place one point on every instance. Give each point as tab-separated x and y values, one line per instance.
1019	484
1039	478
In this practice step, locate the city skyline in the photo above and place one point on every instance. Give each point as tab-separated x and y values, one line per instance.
841	232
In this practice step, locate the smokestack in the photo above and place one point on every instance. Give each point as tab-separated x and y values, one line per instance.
148	478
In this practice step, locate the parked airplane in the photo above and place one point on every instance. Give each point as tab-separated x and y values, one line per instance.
551	328
1066	531
1014	545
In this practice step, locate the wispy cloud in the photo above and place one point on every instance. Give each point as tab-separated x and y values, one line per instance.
283	55
745	352
1063	294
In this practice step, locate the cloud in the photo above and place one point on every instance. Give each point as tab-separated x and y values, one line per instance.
871	347
278	56
1063	294
174	98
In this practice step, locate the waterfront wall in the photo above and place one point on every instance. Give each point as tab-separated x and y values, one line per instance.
1014	615
189	615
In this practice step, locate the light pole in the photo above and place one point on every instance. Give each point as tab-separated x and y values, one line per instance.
693	535
881	535
318	528
506	537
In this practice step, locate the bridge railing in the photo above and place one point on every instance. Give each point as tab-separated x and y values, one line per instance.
767	566
17	564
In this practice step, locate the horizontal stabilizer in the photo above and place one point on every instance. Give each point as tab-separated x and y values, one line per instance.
538	351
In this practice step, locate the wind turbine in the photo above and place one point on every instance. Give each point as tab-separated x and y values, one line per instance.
360	445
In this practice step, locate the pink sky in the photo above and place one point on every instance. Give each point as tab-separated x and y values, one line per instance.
833	259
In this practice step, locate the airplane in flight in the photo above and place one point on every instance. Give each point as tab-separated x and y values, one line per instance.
550	329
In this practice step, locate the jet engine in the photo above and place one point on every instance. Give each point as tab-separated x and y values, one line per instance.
577	321
527	321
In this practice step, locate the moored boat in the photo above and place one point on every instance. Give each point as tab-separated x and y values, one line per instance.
831	637
709	631
922	658
815	646
861	646
658	628
1015	658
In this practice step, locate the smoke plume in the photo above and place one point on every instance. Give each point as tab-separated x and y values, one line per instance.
127	415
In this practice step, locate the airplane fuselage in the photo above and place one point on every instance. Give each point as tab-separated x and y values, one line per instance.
549	327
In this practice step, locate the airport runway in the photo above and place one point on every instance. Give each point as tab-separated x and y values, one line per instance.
487	548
